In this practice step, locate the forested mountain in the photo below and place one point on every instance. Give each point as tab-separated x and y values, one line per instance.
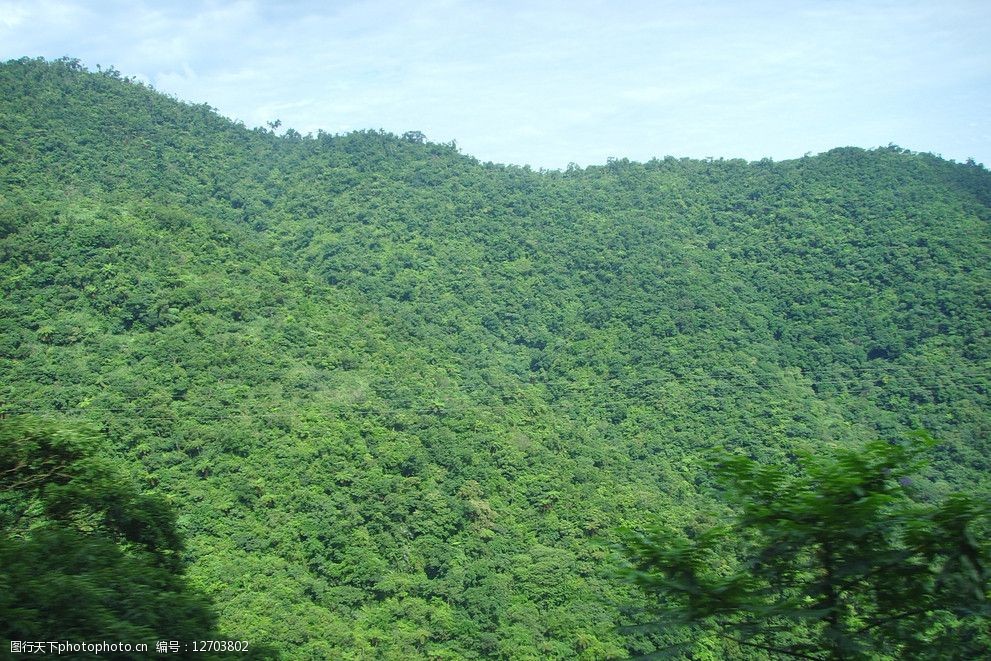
402	399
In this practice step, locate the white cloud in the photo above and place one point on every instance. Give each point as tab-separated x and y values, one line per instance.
12	15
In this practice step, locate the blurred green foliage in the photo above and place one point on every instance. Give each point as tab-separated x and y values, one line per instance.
84	555
402	398
829	559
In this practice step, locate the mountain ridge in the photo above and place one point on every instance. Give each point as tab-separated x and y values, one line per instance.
401	396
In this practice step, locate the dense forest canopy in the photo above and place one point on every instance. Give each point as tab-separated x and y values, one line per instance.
402	399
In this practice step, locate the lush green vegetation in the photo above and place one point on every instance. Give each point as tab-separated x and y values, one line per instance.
83	552
837	562
402	400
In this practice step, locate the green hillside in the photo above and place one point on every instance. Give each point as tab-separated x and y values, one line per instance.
402	400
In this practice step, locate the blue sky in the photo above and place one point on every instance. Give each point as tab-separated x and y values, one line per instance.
549	83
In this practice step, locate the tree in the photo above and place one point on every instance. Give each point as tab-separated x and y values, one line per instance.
84	554
830	559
